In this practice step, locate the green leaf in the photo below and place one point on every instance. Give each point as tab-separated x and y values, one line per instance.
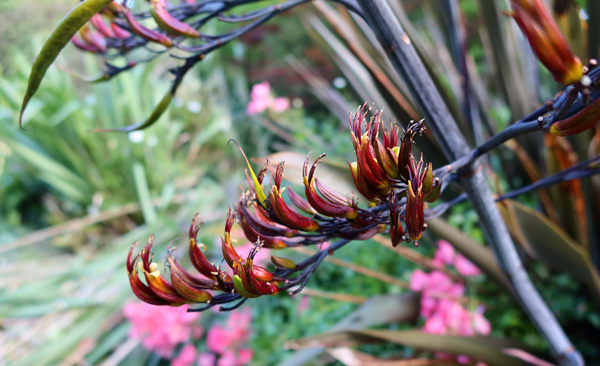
141	185
547	242
156	113
493	351
57	41
378	310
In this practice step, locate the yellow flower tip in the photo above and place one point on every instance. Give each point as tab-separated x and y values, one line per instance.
155	274
555	131
574	73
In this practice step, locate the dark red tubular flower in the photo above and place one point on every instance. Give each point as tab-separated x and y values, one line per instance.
255	233
546	40
283	212
405	152
396	230
96	40
98	23
369	168
386	151
421	187
247	279
414	214
157	287
320	204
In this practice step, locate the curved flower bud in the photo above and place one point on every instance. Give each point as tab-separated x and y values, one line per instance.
84	46
98	23
368	166
317	202
414	215
546	40
93	38
197	258
261	222
579	122
283	262
140	289
272	242
168	23
396	229
283	212
119	32
146	33
404	153
300	202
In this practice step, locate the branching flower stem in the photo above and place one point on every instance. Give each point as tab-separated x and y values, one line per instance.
405	60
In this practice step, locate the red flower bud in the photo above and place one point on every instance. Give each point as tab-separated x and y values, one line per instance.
546	40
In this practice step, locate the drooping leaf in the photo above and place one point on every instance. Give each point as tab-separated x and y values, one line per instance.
377	311
57	41
487	349
550	244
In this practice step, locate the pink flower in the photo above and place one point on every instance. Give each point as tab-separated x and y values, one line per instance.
444	254
227	359
244	356
465	267
231	359
197	332
462	359
439	282
280	104
435	325
206	359
481	324
227	339
186	357
418	280
261	90
262	99
161	328
218	339
256	107
428	305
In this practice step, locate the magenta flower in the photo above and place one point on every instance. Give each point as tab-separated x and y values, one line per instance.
186	357
444	254
418	280
206	359
465	267
261	99
161	328
440	299
229	341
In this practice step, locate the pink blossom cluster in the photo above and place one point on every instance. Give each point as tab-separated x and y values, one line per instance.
229	341
261	99
440	297
163	328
